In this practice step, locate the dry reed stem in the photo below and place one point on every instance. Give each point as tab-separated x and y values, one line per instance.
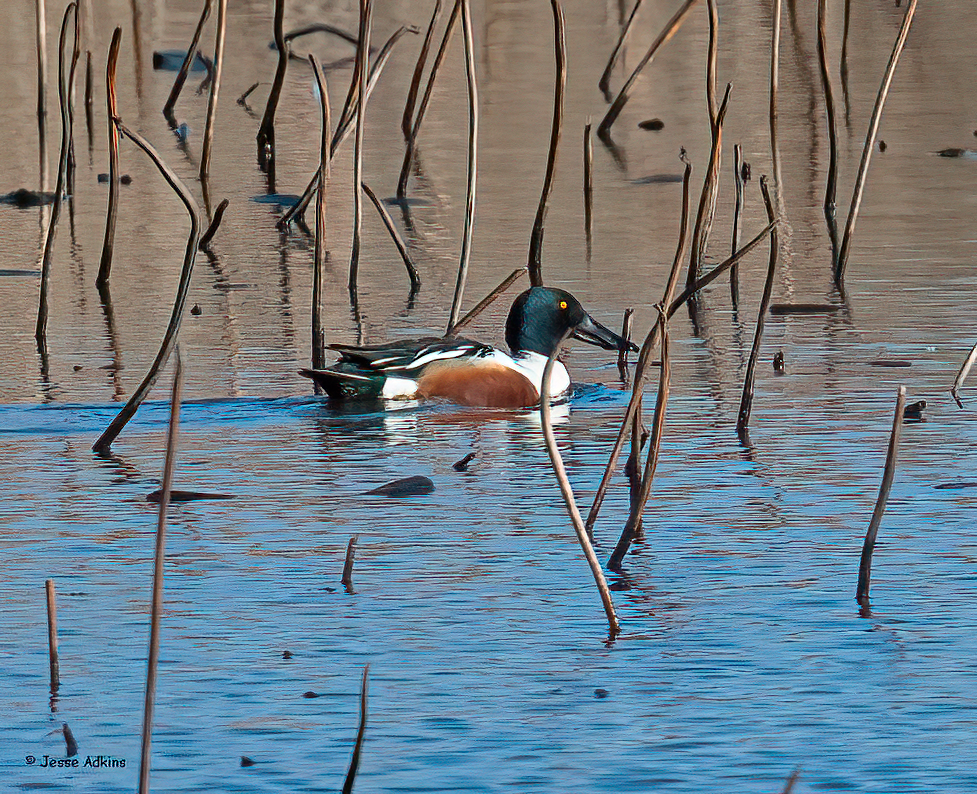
962	376
319	258
354	761
622	355
362	59
215	85
89	102
709	195
425	100
157	601
181	76
789	785
488	300
40	35
843	69
347	580
466	238
774	95
831	182
604	84
746	402
208	236
647	347
536	238
873	131
657	430
588	184
112	210
567	491
54	666
603	131
388	222
865	563
734	274
406	123
173	327
266	132
40	328
712	57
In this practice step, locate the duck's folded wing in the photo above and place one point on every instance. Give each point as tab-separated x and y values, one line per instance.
410	355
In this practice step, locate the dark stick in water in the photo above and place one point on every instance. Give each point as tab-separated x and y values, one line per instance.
415	83
865	564
709	195
112	211
746	402
208	236
604	84
466	239
651	465
422	109
318	267
388	222
173	328
561	475
962	376
603	131
215	85
347	580
266	132
536	238
712	58
831	182
362	59
181	76
354	761
89	103
588	186
734	273
52	635
873	131
64	89
488	300
157	600
844	63
622	355
40	30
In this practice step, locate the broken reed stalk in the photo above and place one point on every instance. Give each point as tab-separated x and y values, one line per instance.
831	182
561	475
343	129
112	210
104	441
734	272
40	33
774	92
388	222
789	785
466	238
347	580
266	132
181	76
536	238
40	329
362	58
604	84
651	465
873	131
746	402
962	376
415	83
709	194
157	601
865	563
208	236
603	130
588	185
425	100
215	85
843	69
712	56
354	761
52	635
488	300
644	354
642	363
622	354
89	103
318	266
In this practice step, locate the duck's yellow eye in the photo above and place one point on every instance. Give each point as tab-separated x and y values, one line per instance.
563	304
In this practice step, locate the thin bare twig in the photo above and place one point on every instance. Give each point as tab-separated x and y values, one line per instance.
112	211
362	59
208	236
347	580
215	85
54	666
604	84
488	300
181	76
962	375
40	31
388	222
831	182
318	271
739	182
266	132
868	547
588	185
354	761
407	121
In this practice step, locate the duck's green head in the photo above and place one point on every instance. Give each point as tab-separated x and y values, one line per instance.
541	316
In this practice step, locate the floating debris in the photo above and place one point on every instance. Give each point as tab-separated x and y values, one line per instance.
955	486
890	362
22	197
657	179
970	154
803	308
310	694
187	496
418	485
914	411
125	179
653	125
600	694
462	465
245	761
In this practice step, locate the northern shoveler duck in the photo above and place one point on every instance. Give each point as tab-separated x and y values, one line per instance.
467	372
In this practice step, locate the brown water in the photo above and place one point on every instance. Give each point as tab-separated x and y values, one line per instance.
744	655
